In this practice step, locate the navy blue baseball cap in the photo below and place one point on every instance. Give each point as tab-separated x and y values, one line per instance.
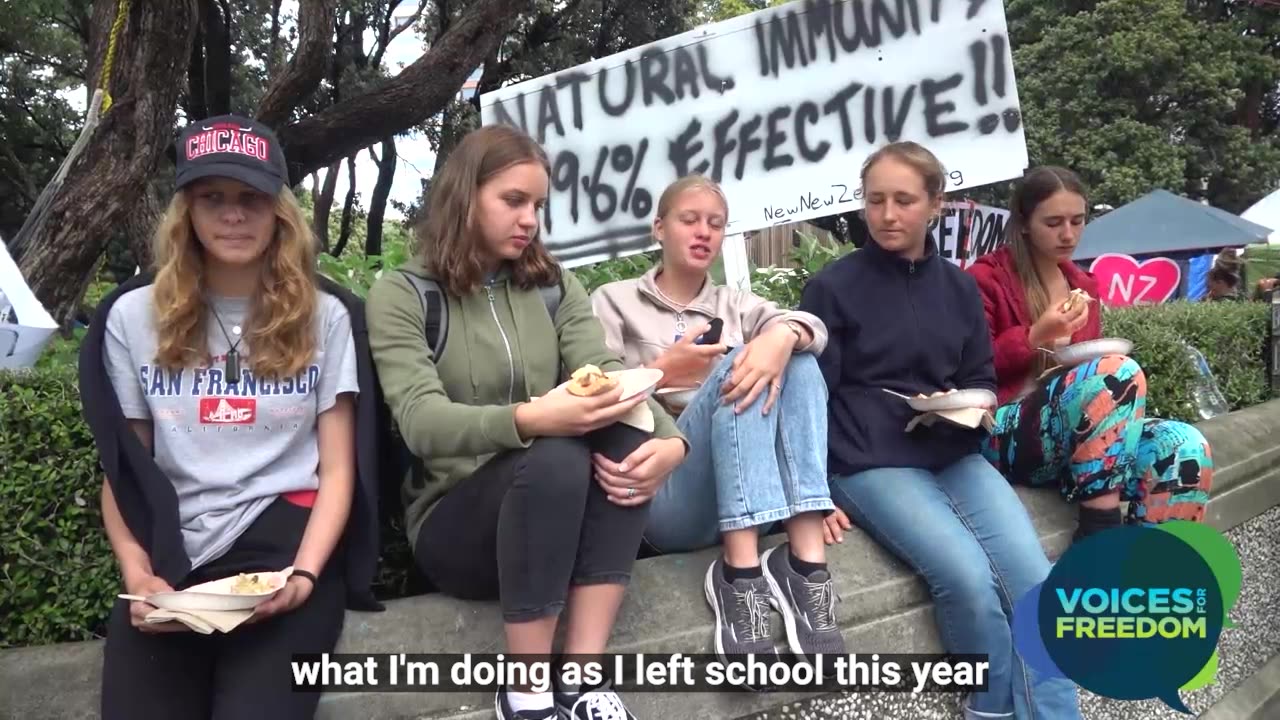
234	147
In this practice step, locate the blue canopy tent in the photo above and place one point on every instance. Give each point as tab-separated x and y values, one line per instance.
1162	224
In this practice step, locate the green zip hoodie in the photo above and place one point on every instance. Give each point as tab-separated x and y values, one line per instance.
501	349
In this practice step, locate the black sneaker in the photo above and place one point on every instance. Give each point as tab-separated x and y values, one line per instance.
502	706
741	608
807	605
600	703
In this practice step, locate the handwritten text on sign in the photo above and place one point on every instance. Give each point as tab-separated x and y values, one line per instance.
782	106
967	231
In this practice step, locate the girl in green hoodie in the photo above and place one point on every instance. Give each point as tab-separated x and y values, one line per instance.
502	503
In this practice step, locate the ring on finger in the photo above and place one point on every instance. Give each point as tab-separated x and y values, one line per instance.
631	493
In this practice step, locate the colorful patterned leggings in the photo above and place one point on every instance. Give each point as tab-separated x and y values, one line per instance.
1084	429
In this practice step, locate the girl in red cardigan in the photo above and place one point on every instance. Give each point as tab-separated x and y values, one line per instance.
1083	428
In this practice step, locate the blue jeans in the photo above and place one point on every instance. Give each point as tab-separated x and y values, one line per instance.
967	533
745	470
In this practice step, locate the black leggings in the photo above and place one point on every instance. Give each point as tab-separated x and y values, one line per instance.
533	522
243	674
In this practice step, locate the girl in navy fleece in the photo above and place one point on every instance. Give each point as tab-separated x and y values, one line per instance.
901	318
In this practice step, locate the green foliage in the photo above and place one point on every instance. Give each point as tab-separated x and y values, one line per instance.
58	575
1141	94
40	58
784	285
607	271
357	271
1230	335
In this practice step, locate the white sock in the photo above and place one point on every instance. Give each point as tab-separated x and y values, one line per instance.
529	701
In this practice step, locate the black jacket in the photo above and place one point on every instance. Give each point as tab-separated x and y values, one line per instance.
910	327
146	498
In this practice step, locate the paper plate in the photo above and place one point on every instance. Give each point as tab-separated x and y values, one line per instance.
1072	355
637	381
679	396
217	595
954	400
634	381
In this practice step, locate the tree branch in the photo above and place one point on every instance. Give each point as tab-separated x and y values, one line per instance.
305	71
420	91
348	206
273	49
378	202
58	65
387	33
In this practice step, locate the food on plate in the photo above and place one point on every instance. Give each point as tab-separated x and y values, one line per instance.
1076	297
589	380
251	584
940	393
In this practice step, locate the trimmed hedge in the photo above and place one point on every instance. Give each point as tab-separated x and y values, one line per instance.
1232	337
59	577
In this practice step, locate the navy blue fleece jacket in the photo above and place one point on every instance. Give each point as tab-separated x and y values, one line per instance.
907	326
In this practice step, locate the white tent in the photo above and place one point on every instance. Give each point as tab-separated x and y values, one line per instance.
1266	212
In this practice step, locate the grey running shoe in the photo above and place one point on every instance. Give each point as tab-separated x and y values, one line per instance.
742	613
807	605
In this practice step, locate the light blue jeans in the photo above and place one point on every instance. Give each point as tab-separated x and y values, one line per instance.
745	470
967	533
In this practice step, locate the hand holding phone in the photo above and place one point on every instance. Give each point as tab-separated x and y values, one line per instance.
712	336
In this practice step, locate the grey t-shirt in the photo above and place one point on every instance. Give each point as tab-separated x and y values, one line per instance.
230	450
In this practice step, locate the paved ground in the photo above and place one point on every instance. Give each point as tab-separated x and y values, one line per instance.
1242	650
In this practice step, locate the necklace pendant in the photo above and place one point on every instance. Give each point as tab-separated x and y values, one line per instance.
232	368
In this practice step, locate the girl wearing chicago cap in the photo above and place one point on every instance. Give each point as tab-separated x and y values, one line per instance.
237	376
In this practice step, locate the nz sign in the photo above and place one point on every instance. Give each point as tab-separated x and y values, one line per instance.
1123	280
781	106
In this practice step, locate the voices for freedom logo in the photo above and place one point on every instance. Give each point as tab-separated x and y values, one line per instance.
1133	612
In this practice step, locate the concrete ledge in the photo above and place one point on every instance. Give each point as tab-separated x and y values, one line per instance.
1257	698
884	607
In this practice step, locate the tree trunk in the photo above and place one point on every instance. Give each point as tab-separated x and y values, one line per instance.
305	71
273	59
103	185
195	105
140	225
348	209
378	203
217	59
420	91
323	204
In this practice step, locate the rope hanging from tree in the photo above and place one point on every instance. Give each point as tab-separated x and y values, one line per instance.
122	13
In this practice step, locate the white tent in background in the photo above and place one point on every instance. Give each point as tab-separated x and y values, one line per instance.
25	326
1266	212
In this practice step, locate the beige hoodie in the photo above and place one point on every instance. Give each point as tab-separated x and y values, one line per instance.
640	324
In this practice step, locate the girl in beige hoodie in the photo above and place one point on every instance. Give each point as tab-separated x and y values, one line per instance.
755	417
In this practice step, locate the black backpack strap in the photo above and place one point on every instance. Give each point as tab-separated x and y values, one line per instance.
435	310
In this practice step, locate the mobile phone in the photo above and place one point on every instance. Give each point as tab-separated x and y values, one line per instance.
712	336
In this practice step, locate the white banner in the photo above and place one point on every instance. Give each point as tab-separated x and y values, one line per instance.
967	231
781	106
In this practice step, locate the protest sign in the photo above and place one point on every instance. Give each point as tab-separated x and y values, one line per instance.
781	106
1124	280
25	326
967	231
